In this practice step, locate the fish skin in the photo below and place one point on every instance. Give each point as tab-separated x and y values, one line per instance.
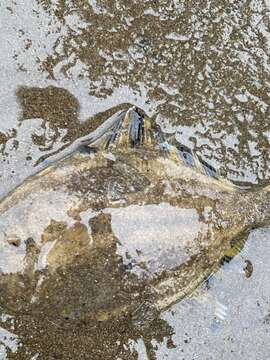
74	208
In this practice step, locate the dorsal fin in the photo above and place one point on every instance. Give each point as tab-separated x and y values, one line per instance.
131	129
137	129
190	158
128	129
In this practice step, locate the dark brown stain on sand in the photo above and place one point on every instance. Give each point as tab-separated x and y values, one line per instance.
59	110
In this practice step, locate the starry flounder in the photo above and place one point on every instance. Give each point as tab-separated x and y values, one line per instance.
125	218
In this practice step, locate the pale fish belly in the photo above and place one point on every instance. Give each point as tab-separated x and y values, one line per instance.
155	237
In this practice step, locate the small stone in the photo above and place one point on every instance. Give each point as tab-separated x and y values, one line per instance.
170	344
14	240
248	268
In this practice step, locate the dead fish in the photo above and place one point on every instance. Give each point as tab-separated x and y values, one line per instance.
125	219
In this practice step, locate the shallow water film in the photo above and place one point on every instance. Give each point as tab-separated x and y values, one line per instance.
198	69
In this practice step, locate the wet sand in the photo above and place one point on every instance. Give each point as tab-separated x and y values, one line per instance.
202	71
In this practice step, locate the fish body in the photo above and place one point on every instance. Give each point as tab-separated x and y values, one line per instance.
125	220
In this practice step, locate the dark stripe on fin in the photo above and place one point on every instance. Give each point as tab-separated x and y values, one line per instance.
186	155
190	158
208	169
